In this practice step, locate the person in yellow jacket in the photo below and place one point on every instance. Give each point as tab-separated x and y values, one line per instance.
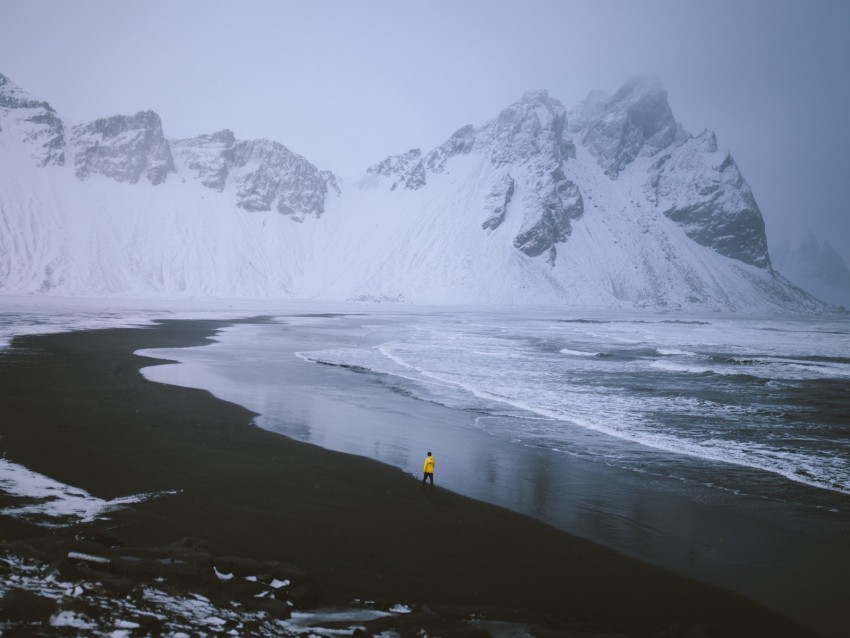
428	470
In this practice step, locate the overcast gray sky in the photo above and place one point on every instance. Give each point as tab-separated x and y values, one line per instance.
346	83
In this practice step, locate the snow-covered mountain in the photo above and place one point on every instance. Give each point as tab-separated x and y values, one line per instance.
265	175
612	204
817	267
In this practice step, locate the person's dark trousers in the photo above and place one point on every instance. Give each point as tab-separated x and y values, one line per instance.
426	477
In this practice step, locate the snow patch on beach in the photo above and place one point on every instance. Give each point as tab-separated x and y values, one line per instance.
54	504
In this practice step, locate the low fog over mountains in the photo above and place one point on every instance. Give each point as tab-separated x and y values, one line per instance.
816	266
611	204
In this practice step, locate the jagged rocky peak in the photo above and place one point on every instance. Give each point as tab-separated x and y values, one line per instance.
123	147
526	146
534	126
39	125
461	142
531	135
588	110
532	129
404	169
205	155
636	121
264	174
14	97
701	188
410	169
689	180
224	136
268	175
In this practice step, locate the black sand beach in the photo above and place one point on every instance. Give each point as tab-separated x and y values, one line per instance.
74	407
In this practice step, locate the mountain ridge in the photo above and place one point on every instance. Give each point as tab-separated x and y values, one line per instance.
619	207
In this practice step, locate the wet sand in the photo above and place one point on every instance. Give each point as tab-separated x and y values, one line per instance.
75	407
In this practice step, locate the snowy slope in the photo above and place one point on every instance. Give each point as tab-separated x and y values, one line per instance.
612	205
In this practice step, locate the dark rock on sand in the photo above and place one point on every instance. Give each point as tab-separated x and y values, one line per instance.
120	570
275	608
19	605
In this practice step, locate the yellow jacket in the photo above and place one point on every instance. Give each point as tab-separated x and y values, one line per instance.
428	467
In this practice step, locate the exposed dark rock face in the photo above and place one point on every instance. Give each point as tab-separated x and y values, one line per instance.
205	155
703	191
266	175
691	183
124	148
405	169
533	129
637	121
40	126
560	202
271	176
529	136
460	143
497	202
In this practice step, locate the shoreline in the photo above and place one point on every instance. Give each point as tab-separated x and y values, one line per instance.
76	408
780	545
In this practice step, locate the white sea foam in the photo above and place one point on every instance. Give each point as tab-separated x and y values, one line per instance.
669	366
768	368
675	352
534	382
578	353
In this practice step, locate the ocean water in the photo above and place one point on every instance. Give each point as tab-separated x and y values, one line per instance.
771	396
757	406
